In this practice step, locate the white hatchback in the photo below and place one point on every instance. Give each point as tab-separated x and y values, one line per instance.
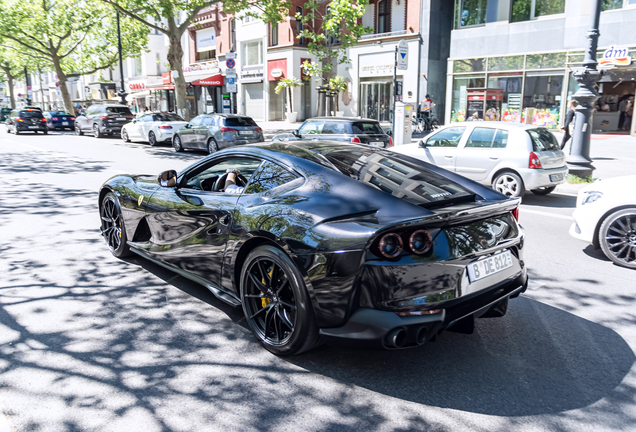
152	128
510	157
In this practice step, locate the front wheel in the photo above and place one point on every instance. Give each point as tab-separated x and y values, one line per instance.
509	184
617	237
78	130
276	304
113	228
124	136
152	139
176	143
543	190
45	132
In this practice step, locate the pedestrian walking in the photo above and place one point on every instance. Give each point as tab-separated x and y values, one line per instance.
568	124
622	106
629	112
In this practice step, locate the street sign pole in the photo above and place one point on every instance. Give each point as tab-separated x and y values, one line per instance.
394	91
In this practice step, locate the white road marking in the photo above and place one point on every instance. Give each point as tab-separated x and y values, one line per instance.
542	213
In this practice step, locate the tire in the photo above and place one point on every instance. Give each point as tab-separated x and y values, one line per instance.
124	136
113	228
509	184
176	143
45	132
16	131
617	237
276	304
78	130
152	139
213	147
543	191
96	132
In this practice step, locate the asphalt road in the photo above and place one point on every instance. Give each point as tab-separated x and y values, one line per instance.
92	343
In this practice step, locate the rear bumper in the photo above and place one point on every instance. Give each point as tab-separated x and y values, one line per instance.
376	329
27	128
538	178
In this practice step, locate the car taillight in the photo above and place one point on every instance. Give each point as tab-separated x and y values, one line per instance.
390	142
258	130
534	162
165	127
390	245
72	118
54	118
19	120
515	214
104	117
420	242
224	130
355	140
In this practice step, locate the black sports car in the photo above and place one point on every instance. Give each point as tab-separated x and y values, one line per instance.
324	241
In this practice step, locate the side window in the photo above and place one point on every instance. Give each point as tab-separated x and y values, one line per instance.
446	138
481	138
269	176
205	176
337	128
196	121
501	139
209	121
311	127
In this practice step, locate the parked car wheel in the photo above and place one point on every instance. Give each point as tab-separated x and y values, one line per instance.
96	132
16	131
617	237
113	228
78	130
124	136
509	184
213	147
45	132
176	143
543	190
152	139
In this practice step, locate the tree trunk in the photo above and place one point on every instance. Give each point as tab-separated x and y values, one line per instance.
10	80
175	54
42	88
61	76
289	94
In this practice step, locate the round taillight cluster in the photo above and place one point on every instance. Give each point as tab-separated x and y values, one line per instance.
419	242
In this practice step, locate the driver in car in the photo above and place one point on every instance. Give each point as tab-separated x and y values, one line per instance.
230	182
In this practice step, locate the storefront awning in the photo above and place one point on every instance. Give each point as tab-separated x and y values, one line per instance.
160	87
139	94
214	80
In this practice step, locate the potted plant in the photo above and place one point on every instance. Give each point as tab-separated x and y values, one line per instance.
288	84
338	85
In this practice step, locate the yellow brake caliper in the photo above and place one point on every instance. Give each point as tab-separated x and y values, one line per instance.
266	301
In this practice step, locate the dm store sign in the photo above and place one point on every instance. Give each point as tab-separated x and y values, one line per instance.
615	56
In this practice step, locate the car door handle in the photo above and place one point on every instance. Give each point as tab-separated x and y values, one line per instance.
448	157
224	220
493	158
194	200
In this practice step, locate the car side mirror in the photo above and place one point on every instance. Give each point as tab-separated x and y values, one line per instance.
389	132
167	178
422	144
296	132
187	126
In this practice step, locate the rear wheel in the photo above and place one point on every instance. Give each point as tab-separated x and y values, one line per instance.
509	184
45	132
113	228
152	139
96	132
543	190
213	147
617	237
176	143
276	303
124	136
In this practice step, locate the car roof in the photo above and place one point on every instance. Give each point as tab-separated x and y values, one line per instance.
494	124
351	119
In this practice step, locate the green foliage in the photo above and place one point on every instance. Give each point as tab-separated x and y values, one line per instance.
574	179
285	83
338	84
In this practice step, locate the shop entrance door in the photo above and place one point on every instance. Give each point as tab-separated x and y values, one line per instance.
305	100
375	100
276	103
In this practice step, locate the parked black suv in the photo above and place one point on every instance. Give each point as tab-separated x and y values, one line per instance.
348	129
103	119
26	120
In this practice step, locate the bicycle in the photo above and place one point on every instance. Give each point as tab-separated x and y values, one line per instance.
425	124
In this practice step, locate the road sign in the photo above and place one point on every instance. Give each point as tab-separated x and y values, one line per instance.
230	63
403	55
231	80
231	88
230	55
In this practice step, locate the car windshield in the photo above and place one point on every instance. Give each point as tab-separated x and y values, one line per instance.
58	113
240	121
543	140
397	176
118	110
31	114
366	128
5	110
168	117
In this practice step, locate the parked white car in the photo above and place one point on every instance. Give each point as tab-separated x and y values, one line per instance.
152	128
605	216
510	157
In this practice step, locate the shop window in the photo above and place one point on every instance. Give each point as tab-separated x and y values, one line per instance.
299	24
470	12
505	63
469	65
543	92
524	10
384	16
274	35
460	86
253	53
511	98
207	55
545	61
611	4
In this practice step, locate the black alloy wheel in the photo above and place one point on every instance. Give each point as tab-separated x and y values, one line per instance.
113	228
152	139
96	132
276	303
213	147
78	130
544	190
124	136
45	131
176	143
617	237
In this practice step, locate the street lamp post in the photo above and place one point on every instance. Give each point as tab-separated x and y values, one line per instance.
122	91
579	162
27	79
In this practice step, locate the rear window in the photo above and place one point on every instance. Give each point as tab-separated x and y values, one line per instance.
240	121
167	117
543	140
398	176
5	111
30	114
366	128
118	110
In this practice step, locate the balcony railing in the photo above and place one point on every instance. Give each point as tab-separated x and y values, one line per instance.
383	35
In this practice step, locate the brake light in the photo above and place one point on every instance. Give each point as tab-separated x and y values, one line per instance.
54	118
258	130
106	117
390	142
224	130
355	140
72	118
165	127
534	162
19	120
515	214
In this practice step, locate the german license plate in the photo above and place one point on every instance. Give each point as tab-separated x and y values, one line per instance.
377	144
246	133
34	127
556	177
64	123
121	119
489	266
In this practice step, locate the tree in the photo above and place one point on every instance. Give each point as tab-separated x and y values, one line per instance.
11	68
289	84
74	36
165	16
338	85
